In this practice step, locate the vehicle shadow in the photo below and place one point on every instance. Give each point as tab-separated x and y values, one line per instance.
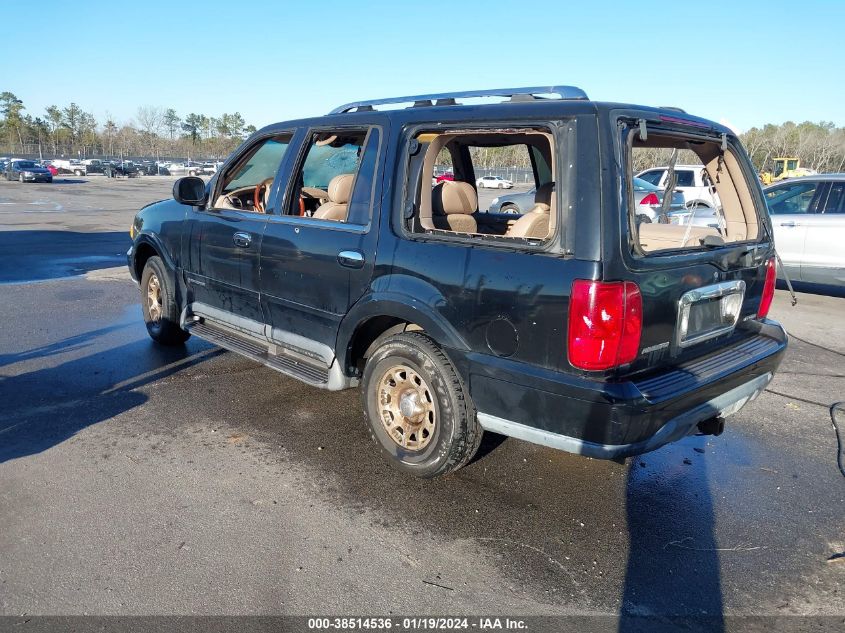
77	341
672	579
60	180
38	255
49	405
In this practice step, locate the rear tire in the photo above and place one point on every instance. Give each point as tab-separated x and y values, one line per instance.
410	384
158	305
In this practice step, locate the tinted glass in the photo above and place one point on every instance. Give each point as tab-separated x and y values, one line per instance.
836	198
653	176
25	164
686	178
793	198
360	203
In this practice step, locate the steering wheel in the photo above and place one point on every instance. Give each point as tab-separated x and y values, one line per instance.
311	193
261	193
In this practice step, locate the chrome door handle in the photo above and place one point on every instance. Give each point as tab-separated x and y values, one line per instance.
242	239
351	259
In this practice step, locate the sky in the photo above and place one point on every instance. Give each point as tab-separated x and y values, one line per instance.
744	62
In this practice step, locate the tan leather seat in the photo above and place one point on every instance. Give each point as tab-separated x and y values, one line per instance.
535	224
452	204
340	189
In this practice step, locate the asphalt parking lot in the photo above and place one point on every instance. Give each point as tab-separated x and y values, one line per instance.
139	480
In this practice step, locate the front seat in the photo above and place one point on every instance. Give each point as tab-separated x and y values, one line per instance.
452	204
535	223
340	188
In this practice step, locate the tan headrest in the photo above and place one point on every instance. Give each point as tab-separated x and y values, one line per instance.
544	193
454	196
340	188
539	207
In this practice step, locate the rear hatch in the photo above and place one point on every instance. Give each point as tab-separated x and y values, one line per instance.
701	277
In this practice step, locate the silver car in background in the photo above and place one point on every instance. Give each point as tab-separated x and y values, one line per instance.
648	199
808	216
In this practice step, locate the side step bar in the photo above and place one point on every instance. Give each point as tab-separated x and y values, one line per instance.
283	361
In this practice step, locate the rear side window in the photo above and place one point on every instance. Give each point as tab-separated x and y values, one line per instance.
673	218
686	178
836	198
500	187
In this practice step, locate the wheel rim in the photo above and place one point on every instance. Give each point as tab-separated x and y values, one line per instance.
406	408
154	306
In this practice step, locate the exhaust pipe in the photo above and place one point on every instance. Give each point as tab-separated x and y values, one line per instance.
713	426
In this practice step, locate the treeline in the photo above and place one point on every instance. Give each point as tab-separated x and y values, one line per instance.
154	132
157	131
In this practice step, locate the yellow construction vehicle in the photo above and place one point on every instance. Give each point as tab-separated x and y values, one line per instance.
785	167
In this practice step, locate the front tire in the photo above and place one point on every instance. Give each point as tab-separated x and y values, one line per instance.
158	305
418	410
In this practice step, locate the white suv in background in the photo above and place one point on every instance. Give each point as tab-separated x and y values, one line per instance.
493	182
692	181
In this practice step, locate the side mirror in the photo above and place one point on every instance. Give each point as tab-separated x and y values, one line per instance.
190	190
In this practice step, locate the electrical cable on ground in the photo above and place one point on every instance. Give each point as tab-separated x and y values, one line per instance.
838	406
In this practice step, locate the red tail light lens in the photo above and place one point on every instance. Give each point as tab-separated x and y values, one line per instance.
650	199
605	323
768	289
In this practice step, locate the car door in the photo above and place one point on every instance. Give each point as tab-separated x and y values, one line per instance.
225	240
313	269
824	253
789	205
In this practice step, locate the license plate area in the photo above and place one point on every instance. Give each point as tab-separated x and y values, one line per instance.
708	312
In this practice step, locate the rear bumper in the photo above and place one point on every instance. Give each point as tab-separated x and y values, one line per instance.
609	420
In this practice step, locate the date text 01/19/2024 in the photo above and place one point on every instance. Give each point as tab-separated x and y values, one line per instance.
415	623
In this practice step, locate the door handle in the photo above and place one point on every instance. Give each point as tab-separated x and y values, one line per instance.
789	224
351	259
242	239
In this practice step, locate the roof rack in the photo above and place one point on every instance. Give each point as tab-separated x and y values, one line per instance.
448	98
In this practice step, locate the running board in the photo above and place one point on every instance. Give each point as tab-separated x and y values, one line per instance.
283	361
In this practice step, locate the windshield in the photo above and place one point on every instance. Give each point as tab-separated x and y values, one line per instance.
25	164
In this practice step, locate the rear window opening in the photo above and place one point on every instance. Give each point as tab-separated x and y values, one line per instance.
495	185
686	193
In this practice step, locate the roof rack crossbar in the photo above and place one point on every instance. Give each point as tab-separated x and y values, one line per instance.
448	98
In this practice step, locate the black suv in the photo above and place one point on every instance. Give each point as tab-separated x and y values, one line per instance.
325	249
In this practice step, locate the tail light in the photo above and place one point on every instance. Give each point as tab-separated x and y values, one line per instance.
605	323
650	199
768	289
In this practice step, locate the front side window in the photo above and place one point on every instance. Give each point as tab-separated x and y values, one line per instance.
652	176
246	185
792	198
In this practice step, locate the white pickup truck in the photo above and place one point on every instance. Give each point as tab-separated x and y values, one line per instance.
75	167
